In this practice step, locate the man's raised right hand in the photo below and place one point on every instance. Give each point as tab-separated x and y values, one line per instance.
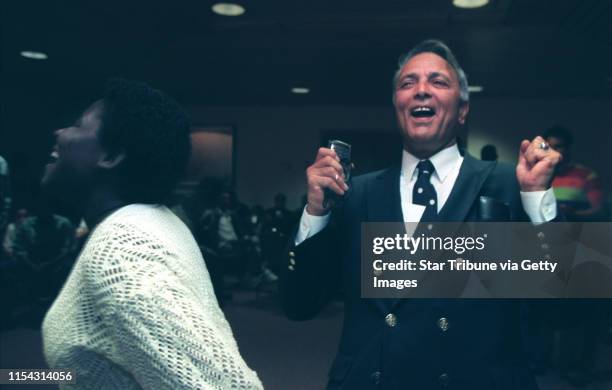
325	172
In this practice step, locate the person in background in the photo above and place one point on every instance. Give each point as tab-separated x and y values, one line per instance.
7	289
488	153
278	226
279	215
43	252
5	198
13	278
137	310
577	187
44	240
11	231
258	271
222	234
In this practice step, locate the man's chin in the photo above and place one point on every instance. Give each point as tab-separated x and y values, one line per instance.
421	140
423	122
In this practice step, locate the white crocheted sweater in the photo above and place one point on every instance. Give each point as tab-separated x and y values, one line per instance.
138	311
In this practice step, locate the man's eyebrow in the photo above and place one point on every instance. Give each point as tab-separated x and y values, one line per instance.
430	76
409	75
433	75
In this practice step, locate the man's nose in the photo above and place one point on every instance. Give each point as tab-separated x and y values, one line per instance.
422	91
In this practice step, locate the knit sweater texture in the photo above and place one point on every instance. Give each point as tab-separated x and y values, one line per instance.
138	311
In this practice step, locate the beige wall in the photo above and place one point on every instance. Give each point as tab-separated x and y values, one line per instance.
275	144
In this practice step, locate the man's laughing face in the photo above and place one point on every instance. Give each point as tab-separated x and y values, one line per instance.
428	105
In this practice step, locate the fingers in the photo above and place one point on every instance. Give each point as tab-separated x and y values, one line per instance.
327	165
328	162
533	153
332	172
536	166
524	145
326	177
327	152
325	172
332	184
327	156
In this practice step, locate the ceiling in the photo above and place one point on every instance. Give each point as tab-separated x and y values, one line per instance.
344	51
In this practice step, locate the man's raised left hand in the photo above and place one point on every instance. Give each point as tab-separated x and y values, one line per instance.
536	165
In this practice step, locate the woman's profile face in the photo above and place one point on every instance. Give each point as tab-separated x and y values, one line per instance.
75	156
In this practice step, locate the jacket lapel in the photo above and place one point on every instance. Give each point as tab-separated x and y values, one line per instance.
384	205
383	197
472	176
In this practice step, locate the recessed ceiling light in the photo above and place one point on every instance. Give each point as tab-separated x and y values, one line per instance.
228	9
470	3
475	88
300	90
35	55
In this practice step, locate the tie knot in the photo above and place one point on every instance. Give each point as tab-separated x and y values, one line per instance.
425	168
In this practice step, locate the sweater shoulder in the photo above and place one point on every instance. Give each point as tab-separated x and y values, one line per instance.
137	240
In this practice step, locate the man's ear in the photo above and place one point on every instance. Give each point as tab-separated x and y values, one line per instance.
111	160
464	108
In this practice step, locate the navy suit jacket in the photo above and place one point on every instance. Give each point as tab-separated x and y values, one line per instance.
467	344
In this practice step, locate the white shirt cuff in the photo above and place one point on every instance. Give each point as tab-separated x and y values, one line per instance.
540	206
310	225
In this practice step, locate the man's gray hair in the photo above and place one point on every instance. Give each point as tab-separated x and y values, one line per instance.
439	48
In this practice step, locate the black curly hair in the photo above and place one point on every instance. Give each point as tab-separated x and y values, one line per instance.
153	131
560	132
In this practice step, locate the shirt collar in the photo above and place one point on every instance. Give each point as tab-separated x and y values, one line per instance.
443	162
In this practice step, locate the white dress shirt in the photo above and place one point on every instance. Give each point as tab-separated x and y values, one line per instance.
540	206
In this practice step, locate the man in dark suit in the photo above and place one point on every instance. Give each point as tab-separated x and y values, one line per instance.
417	343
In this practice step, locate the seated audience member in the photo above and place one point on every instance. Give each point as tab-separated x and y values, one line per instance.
279	221
280	216
11	231
138	310
577	187
5	198
222	230
253	253
43	252
224	224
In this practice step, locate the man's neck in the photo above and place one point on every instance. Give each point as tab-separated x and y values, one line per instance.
423	154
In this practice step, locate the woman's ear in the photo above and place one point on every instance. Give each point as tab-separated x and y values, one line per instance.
111	160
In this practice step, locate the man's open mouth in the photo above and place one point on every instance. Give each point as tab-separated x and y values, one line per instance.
422	112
